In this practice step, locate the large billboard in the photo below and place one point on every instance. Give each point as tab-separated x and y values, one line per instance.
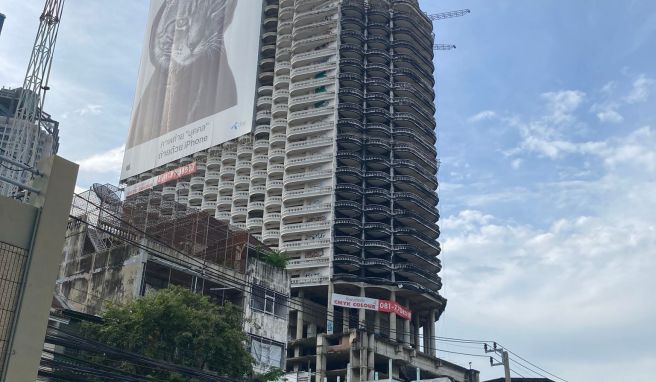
197	79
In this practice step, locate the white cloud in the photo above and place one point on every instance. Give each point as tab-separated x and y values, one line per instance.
106	162
563	103
611	116
516	163
482	116
90	109
640	90
591	273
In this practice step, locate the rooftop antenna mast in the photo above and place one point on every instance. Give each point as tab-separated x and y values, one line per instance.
19	147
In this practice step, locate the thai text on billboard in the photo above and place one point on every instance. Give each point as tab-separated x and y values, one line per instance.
187	99
356	302
166	177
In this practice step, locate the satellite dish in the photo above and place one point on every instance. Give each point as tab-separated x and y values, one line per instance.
105	194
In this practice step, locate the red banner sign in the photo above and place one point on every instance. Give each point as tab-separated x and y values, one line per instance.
357	302
166	177
394	307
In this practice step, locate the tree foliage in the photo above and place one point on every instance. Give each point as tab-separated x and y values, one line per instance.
276	258
181	327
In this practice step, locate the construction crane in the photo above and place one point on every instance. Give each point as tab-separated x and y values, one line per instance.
443	47
448	15
21	146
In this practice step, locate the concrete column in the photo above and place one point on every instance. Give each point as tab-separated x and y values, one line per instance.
416	332
330	312
433	314
299	324
377	323
312	330
371	360
427	334
392	317
406	328
322	347
345	319
362	313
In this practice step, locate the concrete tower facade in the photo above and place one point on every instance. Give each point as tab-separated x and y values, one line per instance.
339	172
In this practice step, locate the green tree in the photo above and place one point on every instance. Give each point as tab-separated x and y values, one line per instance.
181	327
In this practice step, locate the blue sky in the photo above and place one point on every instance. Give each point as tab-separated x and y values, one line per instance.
547	138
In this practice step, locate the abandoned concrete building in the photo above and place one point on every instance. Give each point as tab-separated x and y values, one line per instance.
118	250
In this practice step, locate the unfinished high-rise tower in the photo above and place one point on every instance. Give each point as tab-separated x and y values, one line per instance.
336	167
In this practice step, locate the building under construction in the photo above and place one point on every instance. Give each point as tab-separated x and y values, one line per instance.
22	140
117	250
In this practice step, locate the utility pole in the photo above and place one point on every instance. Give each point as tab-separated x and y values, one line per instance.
505	359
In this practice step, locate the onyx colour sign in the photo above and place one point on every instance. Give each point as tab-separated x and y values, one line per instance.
367	303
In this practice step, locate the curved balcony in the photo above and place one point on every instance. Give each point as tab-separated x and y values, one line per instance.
258	176
310	85
260	160
377	212
272	219
304	71
210	191
281	95
224	200
349	142
254	224
306	193
298	163
349	110
304	245
351	65
314	15
309	57
349	126
312	42
349	263
305	210
353	51
197	183
273	202
408	12
311	227
228	156
168	192
239	212
309	114
195	196
182	188
377	195
351	95
225	186
350	80
413	220
275	169
377	230
378	146
227	171
265	90
378	56
348	226
276	155
414	203
378	100
381	29
378	42
377	130
348	208
348	159
294	147
222	215
274	184
348	175
347	244
257	190
378	85
352	23
348	191
307	176
208	205
270	237
377	178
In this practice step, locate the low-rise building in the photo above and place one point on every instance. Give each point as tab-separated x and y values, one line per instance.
117	250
